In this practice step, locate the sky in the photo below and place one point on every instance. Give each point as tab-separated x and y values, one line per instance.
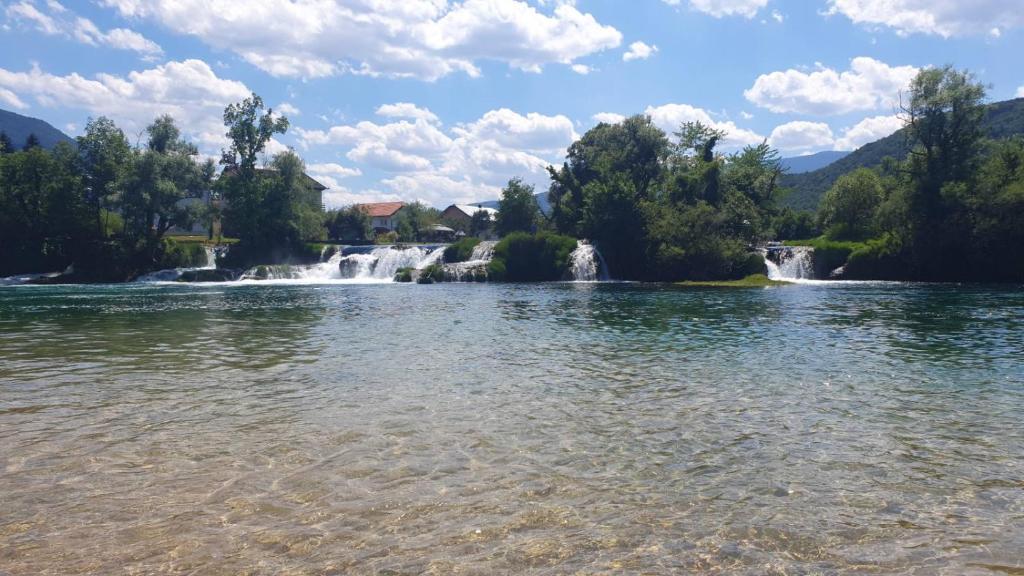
444	101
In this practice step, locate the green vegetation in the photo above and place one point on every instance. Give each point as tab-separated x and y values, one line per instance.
752	281
953	210
432	274
1001	120
350	225
663	210
523	257
517	210
460	251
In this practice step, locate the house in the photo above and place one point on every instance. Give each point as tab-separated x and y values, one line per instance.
383	215
462	214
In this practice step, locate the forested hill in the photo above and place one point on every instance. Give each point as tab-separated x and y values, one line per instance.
18	128
1002	119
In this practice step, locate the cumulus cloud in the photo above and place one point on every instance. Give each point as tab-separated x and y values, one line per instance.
287	109
868	85
669	117
53	19
608	117
11	99
425	39
1020	92
407	110
422	159
189	91
639	51
867	131
944	18
720	8
802	137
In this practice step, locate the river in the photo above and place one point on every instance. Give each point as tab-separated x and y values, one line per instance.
483	429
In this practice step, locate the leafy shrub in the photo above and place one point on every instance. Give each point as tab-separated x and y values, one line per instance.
386	239
522	257
879	259
460	251
431	274
173	254
404	275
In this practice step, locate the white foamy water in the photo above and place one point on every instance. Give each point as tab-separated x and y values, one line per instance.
795	263
587	264
172	274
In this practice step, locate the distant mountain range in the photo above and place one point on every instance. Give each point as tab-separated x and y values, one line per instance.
1002	119
18	127
811	162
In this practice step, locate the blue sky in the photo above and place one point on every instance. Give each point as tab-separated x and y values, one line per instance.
444	101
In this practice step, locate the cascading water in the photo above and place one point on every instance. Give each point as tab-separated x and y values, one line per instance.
382	263
587	264
790	262
476	267
172	274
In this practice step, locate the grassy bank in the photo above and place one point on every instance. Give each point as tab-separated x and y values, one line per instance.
752	281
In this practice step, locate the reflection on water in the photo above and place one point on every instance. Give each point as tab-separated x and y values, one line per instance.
489	429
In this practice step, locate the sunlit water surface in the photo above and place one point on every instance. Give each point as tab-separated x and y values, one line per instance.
482	429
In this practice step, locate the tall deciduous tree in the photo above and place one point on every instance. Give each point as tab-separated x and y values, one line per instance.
517	210
103	153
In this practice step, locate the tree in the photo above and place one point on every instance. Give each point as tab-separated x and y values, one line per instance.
480	223
103	153
6	146
31	142
350	224
849	208
157	181
413	220
943	115
249	129
517	210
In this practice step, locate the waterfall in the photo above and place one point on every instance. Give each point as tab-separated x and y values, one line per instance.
172	274
475	268
790	262
383	262
587	264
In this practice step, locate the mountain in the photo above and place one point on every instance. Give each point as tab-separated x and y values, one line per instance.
809	163
18	127
1002	119
542	202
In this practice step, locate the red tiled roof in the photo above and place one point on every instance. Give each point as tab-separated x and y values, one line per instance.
381	209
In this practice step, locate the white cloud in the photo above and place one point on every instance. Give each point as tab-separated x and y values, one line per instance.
639	51
608	117
944	18
287	109
60	21
407	110
868	85
720	8
189	91
581	69
801	137
421	159
425	39
778	17
1020	92
11	99
867	131
795	138
670	116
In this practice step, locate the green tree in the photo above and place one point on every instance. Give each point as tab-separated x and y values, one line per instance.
480	223
848	210
249	129
6	146
103	153
517	210
31	142
350	224
413	221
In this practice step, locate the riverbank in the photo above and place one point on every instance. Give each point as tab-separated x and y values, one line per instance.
752	281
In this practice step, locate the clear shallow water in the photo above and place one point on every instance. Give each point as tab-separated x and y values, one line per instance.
478	429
